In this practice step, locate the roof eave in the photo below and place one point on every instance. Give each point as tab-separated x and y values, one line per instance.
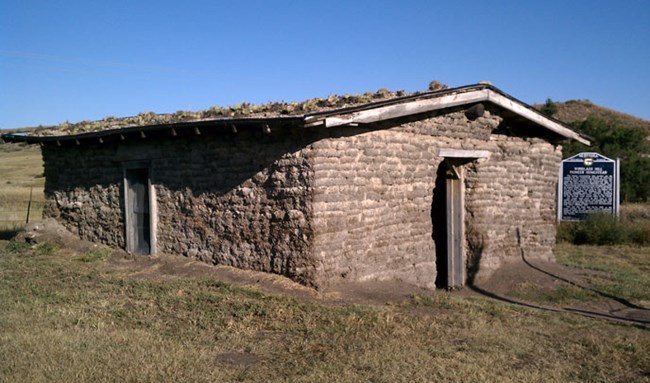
238	122
432	101
531	114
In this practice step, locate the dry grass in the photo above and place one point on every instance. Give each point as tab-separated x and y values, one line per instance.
580	110
635	212
21	172
74	318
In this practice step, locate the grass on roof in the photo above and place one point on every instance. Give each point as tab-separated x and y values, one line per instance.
242	110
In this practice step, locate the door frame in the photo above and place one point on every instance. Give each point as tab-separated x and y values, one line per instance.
153	214
455	210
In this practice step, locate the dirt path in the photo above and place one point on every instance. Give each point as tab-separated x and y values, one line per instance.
506	284
503	285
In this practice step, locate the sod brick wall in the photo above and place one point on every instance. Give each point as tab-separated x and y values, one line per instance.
318	205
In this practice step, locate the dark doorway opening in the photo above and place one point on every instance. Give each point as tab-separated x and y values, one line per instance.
138	219
439	225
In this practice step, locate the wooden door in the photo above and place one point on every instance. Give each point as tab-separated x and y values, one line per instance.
138	219
455	227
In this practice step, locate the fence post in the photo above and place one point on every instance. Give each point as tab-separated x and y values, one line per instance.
29	204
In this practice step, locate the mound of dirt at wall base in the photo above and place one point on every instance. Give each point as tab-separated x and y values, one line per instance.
50	231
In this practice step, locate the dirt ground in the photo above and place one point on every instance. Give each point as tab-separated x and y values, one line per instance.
548	277
502	285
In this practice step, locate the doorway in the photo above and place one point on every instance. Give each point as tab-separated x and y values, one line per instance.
447	218
137	211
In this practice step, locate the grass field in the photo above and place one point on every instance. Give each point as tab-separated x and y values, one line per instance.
76	317
21	173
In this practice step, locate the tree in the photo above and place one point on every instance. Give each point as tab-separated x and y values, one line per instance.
549	108
616	141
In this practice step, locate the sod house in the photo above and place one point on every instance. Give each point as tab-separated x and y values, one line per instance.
431	188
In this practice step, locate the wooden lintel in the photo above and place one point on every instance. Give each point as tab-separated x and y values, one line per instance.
463	153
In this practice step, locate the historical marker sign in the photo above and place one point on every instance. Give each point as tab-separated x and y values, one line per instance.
589	183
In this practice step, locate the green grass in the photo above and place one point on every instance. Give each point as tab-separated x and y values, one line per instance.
562	295
625	269
95	255
66	320
611	272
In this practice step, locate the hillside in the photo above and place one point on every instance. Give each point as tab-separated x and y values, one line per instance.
579	110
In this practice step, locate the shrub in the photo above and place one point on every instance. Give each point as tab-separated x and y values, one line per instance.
640	233
565	232
549	108
604	229
601	229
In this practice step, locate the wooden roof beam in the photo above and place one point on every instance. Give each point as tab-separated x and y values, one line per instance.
534	116
448	101
406	109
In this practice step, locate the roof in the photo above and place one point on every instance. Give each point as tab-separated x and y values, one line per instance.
331	112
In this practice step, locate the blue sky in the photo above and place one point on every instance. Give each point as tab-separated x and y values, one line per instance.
85	60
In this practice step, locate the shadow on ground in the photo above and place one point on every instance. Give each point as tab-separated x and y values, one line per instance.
507	284
8	234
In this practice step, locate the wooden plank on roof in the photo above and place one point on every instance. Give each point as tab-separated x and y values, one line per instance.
448	101
535	117
311	122
406	109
